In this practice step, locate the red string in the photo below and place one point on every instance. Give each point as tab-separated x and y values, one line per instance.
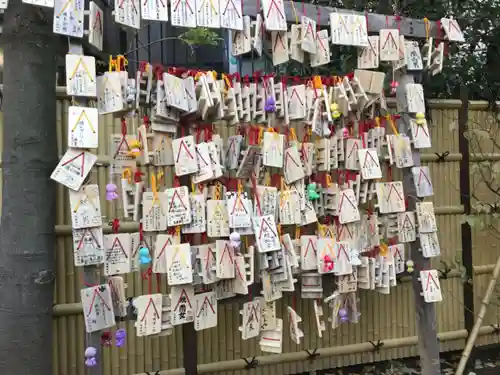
150	283
124	126
198	131
304	8
88	285
362	133
294	301
158	283
389	173
439	31
257	199
176	181
318	9
141	233
366	18
387	21
398	22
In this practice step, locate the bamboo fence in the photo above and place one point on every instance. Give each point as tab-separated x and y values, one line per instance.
388	318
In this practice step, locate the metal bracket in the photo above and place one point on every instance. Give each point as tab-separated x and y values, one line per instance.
496	329
377	345
312	355
250	363
444	272
442	156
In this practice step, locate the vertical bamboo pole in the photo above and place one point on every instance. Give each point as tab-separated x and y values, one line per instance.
477	325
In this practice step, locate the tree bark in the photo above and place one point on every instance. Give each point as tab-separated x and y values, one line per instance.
27	238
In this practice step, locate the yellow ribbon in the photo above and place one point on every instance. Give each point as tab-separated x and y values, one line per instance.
240	187
279	229
217	193
127	174
383	249
227	81
317	84
292	134
159	176
377	121
391	123
178	231
321	230
261	134
427	28
198	75
297	232
328	180
154	189
295	13
267	179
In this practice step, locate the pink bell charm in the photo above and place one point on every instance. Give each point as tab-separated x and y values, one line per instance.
328	263
394	86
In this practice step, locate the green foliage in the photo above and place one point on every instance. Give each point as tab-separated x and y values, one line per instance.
200	36
474	63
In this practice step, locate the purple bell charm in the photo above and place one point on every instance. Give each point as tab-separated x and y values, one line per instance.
120	336
111	194
343	315
270	105
90	353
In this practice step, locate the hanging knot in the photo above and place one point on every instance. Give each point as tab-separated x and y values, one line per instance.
115	225
158	71
138	176
143	66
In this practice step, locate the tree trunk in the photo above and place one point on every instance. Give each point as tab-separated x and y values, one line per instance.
27	238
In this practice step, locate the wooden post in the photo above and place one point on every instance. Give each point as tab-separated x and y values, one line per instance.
465	200
428	343
190	349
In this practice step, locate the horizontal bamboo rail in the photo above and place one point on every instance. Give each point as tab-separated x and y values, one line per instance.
67	309
104	160
131	227
365	347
